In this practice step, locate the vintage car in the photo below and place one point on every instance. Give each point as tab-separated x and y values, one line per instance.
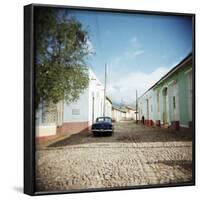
103	125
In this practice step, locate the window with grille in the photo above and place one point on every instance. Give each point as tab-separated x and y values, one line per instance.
75	111
49	113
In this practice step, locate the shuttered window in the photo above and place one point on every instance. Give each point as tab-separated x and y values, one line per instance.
75	111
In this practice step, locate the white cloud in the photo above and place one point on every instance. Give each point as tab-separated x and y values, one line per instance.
115	61
135	48
125	86
134	53
122	86
138	52
134	40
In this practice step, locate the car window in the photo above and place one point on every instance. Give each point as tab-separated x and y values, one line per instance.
107	119
101	119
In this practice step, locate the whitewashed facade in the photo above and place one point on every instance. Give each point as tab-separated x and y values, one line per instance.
108	107
146	105
118	114
130	113
77	116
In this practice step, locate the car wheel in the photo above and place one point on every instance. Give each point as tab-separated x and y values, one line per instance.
94	134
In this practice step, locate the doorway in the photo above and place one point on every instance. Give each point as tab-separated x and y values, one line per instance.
165	103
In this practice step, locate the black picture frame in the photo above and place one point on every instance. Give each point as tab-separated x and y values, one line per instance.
29	108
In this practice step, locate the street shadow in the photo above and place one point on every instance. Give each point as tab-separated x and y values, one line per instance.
156	135
184	164
77	137
137	134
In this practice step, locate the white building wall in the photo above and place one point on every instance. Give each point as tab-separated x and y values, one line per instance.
77	111
42	128
115	115
87	108
90	104
130	114
45	130
133	114
142	106
108	108
118	115
96	98
123	114
146	105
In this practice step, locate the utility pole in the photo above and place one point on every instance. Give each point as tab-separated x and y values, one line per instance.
136	107
104	106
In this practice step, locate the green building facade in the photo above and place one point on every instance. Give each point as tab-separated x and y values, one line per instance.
169	101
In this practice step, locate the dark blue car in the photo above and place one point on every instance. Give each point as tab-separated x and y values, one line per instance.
103	125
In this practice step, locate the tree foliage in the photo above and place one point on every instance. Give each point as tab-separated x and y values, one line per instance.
60	51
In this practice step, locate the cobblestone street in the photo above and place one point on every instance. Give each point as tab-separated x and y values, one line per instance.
135	155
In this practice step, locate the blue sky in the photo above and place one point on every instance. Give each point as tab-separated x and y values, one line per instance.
138	49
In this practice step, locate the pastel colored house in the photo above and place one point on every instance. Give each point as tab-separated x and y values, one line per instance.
118	114
108	107
130	113
169	101
145	107
75	117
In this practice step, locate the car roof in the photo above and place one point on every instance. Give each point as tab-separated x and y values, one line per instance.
103	117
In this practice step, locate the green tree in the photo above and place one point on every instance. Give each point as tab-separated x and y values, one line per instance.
61	49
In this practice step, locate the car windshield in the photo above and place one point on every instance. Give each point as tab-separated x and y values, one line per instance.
104	119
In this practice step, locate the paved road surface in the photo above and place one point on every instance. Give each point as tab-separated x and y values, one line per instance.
134	155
